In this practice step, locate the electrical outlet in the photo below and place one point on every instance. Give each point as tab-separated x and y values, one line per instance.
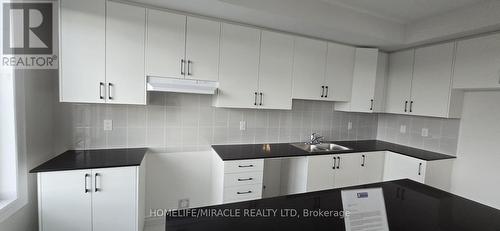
425	132
183	203
349	125
243	125
402	129
108	125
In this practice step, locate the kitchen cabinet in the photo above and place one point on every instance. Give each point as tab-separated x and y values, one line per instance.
347	169
339	72
477	63
309	69
125	39
431	84
239	67
372	167
83	39
180	46
369	80
275	71
320	172
399	82
435	173
92	199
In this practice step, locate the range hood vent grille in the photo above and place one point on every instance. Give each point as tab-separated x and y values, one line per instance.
163	84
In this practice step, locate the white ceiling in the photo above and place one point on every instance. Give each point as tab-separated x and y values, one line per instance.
404	11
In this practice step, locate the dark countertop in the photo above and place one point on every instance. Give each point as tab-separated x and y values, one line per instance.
88	159
259	151
410	206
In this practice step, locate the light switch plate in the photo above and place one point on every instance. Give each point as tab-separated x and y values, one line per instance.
349	125
108	125
425	132
183	203
243	125
402	129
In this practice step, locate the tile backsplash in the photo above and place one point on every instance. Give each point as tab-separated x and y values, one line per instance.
188	122
442	133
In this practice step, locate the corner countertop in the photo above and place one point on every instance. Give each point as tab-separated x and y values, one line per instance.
410	206
89	159
262	151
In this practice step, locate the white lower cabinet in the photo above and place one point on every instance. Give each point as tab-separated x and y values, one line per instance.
372	167
435	173
92	199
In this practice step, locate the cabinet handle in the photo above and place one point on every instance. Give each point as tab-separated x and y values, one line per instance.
245	166
182	67
371	105
334	163
97	189
322	91
411	106
87	190
326	94
255	99
364	158
419	169
189	67
101	85
110	96
261	96
247	192
406	106
403	191
338	163
247	179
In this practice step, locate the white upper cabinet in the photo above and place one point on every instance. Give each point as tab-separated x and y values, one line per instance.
309	69
165	48
239	67
275	71
399	82
125	39
82	51
339	72
369	79
477	64
202	49
431	85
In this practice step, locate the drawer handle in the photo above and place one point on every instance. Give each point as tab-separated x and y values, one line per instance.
245	166
247	192
247	179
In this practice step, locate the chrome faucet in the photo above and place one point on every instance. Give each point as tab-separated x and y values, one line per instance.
315	139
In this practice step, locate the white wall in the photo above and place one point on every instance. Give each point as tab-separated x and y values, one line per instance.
476	173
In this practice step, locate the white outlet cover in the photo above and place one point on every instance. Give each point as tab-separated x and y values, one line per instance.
402	129
108	125
349	125
243	125
425	132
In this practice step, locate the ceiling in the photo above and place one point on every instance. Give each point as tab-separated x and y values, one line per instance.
404	11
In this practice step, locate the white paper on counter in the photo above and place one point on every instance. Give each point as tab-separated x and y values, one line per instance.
366	209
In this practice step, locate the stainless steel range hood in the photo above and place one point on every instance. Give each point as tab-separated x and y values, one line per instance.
163	84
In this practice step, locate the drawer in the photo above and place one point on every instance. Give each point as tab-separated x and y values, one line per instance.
235	166
243	193
243	178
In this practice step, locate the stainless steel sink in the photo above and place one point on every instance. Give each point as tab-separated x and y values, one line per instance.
322	147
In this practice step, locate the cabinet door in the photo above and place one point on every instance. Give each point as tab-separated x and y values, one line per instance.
65	204
239	66
398	167
348	170
320	173
372	167
202	49
364	80
165	44
431	82
125	31
399	82
309	68
339	72
275	72
477	63
114	202
82	64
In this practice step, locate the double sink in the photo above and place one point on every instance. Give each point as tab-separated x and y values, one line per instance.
321	147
